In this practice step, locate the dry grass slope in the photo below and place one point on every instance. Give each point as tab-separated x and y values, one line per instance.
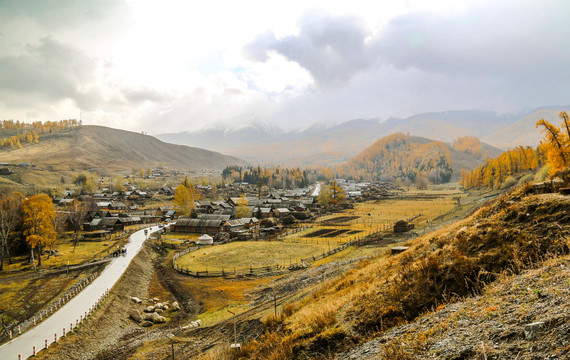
514	233
98	147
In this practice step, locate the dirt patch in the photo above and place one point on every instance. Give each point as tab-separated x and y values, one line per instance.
320	233
341	219
337	233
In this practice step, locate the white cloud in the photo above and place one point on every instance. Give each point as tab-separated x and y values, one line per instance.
171	65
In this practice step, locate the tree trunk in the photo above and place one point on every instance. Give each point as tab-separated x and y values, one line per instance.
39	255
2	259
32	258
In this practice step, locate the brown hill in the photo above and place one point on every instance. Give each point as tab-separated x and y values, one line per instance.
101	148
523	132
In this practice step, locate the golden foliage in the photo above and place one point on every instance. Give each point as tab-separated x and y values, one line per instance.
397	156
38	222
242	210
495	171
557	142
469	145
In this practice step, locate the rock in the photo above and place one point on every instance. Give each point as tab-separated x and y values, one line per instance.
148	317
159	311
398	249
136	300
158	305
530	330
155	300
160	320
175	306
155	317
165	307
149	309
146	324
135	315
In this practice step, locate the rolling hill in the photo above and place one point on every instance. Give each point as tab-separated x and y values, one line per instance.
400	155
101	148
524	132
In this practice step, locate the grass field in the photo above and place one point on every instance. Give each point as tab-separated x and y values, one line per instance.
252	253
84	251
373	216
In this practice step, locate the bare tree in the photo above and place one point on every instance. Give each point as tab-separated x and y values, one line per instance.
76	214
10	216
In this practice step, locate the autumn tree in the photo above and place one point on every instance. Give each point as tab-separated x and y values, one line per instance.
10	217
324	197
183	200
337	195
242	209
557	142
38	221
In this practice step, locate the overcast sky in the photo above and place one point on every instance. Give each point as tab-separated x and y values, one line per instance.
164	66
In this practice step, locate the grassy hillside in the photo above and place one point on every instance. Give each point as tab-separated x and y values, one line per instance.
390	157
516	232
101	148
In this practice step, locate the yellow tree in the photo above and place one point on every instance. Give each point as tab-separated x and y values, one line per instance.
337	195
556	142
242	209
38	221
183	200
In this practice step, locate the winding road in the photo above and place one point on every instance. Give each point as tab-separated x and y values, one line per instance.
76	308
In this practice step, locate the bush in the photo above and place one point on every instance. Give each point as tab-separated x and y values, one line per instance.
542	174
526	179
509	182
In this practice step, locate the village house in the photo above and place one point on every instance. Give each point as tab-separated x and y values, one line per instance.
202	226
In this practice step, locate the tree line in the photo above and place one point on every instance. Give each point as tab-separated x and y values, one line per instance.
496	171
30	132
277	177
554	151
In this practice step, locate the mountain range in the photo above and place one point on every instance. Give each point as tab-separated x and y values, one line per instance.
322	144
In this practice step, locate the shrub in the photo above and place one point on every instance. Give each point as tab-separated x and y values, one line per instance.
510	181
542	174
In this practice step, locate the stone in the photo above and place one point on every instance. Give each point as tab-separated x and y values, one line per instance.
159	311
135	315
155	317
155	300
136	300
160	320
148	317
175	306
530	330
149	309
398	249
146	324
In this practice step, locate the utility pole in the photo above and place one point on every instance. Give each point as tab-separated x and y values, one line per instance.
235	345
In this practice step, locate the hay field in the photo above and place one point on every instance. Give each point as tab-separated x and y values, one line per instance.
250	253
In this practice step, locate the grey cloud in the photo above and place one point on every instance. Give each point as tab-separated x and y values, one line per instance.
331	48
508	40
51	70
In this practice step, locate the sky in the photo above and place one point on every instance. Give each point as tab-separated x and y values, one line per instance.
169	66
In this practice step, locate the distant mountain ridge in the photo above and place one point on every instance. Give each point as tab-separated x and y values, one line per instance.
101	149
319	144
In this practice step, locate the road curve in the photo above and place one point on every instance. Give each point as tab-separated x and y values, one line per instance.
77	307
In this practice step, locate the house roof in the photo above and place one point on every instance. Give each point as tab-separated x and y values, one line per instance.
198	222
214	217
